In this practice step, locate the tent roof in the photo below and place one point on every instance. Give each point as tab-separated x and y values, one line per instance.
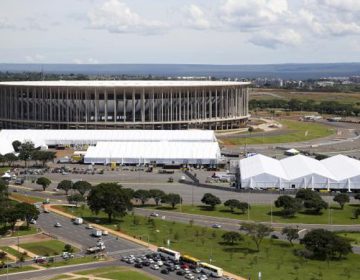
300	166
154	150
260	164
91	137
343	167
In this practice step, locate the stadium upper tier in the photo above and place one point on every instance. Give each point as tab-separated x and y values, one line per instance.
124	104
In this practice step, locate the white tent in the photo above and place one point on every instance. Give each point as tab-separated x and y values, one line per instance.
346	171
260	171
161	152
306	172
6	176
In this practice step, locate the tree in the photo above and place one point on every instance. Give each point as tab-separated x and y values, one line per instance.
357	196
157	195
311	200
75	199
27	212
82	187
142	195
43	156
232	204
10	158
68	248
356	213
231	237
243	207
110	198
44	182
16	145
289	204
26	150
172	198
12	215
291	234
4	190
325	244
257	232
210	200
65	185
342	199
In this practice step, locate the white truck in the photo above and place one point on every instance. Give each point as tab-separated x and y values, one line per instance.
97	233
78	221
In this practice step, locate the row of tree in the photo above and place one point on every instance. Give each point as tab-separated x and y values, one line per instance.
212	201
26	151
324	107
11	211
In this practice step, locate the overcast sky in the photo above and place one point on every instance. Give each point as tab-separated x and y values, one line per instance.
179	31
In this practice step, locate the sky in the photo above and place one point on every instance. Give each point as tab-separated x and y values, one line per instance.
179	31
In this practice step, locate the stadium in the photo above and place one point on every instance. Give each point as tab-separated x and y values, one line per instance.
151	105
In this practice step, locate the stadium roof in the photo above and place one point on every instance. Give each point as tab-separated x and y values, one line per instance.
260	164
342	166
124	84
299	166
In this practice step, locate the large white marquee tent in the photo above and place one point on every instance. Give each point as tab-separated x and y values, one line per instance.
126	146
337	172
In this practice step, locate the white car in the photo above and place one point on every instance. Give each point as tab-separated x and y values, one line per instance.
88	226
105	233
160	263
154	214
189	276
33	221
57	224
216	226
155	267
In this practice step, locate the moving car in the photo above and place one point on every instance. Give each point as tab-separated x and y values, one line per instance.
57	224
154	214
216	226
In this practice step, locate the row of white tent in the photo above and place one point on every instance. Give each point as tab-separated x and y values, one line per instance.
168	153
299	171
52	137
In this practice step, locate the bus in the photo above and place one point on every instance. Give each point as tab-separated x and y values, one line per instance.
193	262
165	252
211	270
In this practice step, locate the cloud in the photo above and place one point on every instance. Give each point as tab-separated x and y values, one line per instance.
116	17
90	60
34	58
196	17
5	24
285	37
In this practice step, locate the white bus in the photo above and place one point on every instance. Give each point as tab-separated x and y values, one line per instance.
211	270
173	255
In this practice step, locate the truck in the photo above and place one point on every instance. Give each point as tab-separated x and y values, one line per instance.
97	233
100	246
78	221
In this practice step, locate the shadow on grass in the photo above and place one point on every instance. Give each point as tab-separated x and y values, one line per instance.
244	250
280	214
233	213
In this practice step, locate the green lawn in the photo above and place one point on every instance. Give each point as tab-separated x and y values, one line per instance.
45	248
118	273
262	213
354	236
15	270
276	259
13	252
4	169
22	230
26	198
83	260
295	131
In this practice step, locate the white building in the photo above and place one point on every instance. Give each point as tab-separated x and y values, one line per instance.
346	169
296	172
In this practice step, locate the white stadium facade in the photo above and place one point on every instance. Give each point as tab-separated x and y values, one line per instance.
130	104
335	173
139	147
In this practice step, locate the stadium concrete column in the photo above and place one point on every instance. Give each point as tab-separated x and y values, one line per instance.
133	105
143	105
106	104
115	105
124	105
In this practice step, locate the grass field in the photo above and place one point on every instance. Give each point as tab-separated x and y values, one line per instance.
276	259
26	198
17	269
45	248
21	231
13	252
262	213
294	131
4	169
341	97
354	236
119	273
83	260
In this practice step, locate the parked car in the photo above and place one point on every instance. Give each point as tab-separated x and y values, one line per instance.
164	271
